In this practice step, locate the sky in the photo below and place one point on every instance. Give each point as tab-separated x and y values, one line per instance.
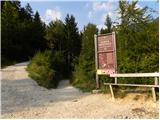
84	11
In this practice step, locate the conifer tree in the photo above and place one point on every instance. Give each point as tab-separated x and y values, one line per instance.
134	40
108	24
72	38
84	75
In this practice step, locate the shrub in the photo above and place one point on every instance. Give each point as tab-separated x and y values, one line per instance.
84	75
40	70
59	64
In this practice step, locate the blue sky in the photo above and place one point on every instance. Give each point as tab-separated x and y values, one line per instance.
84	11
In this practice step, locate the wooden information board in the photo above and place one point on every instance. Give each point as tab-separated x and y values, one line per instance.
105	54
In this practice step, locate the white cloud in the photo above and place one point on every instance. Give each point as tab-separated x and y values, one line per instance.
42	18
52	14
101	26
110	14
99	6
138	6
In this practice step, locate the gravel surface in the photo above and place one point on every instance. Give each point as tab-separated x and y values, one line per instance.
23	98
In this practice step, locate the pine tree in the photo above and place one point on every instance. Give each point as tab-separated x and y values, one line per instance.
39	33
103	31
55	36
29	12
108	24
134	38
9	18
72	39
22	33
84	75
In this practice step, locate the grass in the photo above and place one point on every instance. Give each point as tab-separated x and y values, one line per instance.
85	87
121	91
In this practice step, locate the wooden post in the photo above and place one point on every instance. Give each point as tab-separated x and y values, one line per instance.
156	81
153	89
97	81
115	80
115	54
96	61
112	94
154	94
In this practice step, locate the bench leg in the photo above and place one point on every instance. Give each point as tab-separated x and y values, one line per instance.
110	86
115	80
97	82
154	94
156	81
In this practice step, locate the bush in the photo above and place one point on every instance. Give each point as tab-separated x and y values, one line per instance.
84	75
40	70
59	64
84	80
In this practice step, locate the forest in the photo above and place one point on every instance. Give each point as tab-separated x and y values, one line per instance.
59	50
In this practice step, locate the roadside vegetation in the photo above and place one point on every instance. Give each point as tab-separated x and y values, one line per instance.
84	74
59	50
40	69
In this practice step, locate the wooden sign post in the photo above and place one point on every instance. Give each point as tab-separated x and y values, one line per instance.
105	55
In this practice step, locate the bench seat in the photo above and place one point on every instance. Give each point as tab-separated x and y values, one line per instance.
138	85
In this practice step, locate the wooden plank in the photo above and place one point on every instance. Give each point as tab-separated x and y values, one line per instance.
135	75
154	94
138	85
105	34
110	86
102	72
96	60
95	43
105	51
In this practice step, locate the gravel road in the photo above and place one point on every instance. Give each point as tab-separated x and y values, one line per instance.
21	97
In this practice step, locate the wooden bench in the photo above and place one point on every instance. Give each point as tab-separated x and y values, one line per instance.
155	75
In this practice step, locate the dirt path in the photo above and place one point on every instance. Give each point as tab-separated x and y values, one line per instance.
23	98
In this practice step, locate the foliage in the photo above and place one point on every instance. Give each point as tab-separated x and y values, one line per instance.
103	31
58	63
108	24
18	25
55	35
137	40
64	38
40	70
84	75
73	42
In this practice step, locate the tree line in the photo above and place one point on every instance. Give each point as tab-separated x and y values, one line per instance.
22	32
59	50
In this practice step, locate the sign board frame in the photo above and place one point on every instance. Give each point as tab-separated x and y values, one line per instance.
100	71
